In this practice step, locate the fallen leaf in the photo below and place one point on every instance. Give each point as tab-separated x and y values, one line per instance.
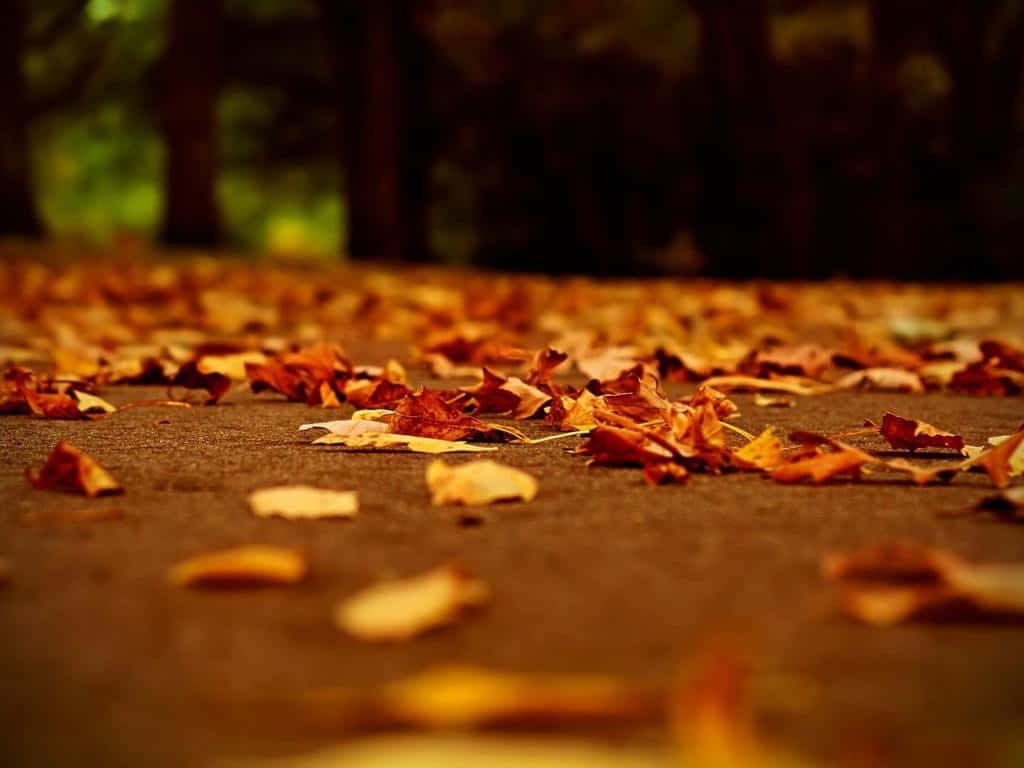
499	395
69	469
909	434
349	427
821	467
996	461
403	608
623	447
230	365
884	379
387	441
302	502
478	483
190	377
52	406
87	403
301	375
426	413
470	697
764	452
893	583
241	567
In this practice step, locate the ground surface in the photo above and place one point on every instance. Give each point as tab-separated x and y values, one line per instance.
104	663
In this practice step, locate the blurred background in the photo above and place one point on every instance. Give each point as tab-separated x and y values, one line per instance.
778	138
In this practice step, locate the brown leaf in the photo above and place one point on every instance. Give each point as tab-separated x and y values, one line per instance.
623	447
909	434
427	413
250	566
499	395
300	375
52	406
478	483
398	610
69	469
190	377
821	467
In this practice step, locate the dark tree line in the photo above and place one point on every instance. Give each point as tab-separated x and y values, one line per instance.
595	163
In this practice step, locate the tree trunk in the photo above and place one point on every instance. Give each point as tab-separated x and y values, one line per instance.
381	61
17	209
190	86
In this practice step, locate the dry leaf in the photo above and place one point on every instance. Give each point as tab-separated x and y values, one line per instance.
821	467
478	483
400	609
230	365
190	377
69	469
302	502
888	584
426	413
909	434
996	461
349	427
389	441
87	403
51	406
241	567
499	395
886	379
471	697
764	453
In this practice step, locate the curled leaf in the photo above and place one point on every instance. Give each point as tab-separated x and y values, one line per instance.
823	466
997	461
403	608
241	567
69	469
478	483
910	434
88	403
302	502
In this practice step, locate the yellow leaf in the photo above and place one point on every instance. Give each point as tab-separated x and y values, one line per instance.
241	567
403	608
87	402
384	441
302	502
478	483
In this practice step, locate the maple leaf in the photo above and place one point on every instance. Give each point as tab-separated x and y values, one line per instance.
428	413
500	395
478	483
545	363
301	375
403	608
69	469
902	433
623	447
